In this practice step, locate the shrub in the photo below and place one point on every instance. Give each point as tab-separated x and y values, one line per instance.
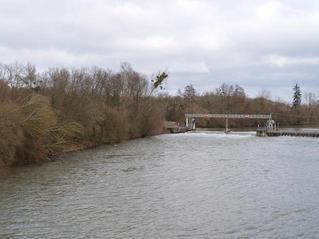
12	137
31	132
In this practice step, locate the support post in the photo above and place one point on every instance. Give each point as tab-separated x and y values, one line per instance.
226	125
193	124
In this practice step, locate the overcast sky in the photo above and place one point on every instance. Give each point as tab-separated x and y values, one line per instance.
257	44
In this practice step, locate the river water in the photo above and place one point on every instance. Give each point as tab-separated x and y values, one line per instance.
192	185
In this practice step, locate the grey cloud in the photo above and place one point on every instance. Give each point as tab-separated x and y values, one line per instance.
256	44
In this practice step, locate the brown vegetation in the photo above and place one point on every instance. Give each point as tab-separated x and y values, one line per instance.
232	99
59	110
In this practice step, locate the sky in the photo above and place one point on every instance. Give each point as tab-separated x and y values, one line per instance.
260	45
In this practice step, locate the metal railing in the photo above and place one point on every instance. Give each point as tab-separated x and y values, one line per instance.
229	116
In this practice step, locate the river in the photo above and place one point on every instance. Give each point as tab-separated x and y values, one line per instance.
192	185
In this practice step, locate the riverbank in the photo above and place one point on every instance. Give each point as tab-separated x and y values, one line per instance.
34	131
7	169
73	110
83	147
43	114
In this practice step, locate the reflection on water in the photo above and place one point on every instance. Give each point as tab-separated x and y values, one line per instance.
195	185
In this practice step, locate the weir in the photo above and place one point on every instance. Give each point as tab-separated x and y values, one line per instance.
190	118
270	127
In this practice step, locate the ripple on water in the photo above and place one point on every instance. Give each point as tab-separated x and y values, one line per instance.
195	185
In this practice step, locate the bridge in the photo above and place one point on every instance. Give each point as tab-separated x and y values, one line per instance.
190	118
270	128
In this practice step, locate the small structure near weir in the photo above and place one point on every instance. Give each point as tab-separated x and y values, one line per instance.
270	126
175	128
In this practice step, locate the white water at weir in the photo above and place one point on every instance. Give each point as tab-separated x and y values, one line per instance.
195	185
217	134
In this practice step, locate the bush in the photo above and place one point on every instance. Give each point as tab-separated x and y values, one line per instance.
113	126
12	137
31	132
61	110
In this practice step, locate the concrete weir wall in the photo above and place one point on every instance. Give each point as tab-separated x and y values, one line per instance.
264	133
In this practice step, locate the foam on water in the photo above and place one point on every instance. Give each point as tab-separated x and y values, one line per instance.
216	134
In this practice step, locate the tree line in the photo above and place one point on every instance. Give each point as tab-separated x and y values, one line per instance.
60	109
233	99
45	113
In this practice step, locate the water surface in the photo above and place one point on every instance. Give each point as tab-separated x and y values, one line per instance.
193	185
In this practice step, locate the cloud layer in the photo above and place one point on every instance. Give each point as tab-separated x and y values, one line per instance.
258	44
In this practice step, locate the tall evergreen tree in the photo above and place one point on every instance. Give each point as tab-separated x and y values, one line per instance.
297	96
